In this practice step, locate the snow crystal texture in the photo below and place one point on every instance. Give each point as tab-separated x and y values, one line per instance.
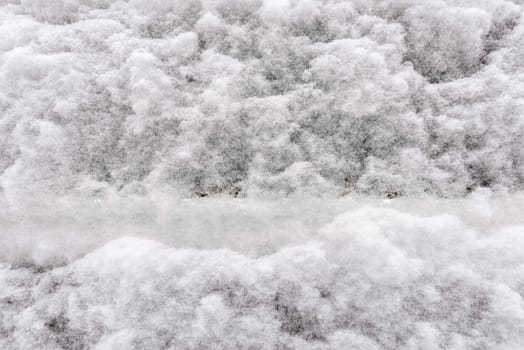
382	276
248	96
262	174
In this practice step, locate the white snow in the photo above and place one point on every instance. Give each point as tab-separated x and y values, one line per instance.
306	273
261	96
262	174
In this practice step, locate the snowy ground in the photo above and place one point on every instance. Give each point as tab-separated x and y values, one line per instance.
262	174
267	274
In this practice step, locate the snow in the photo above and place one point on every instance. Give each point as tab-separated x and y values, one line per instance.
261	96
261	174
261	273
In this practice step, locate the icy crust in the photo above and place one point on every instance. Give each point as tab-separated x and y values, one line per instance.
238	97
373	278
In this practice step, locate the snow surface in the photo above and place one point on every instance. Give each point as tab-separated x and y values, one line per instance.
262	174
353	273
250	96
